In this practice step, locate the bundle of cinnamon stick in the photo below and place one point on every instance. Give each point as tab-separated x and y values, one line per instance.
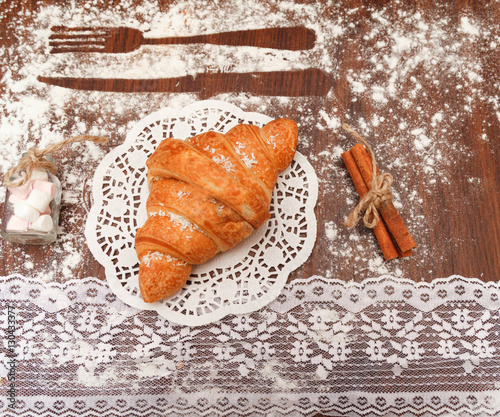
394	239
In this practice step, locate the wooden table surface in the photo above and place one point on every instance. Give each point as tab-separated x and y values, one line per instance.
419	81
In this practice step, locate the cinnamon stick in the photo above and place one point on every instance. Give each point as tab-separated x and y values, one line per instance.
389	249
391	217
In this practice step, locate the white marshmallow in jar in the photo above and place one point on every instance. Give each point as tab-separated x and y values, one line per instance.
33	197
31	210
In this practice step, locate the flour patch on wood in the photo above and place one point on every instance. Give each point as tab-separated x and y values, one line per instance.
404	58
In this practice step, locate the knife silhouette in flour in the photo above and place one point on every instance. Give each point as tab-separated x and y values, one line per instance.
296	83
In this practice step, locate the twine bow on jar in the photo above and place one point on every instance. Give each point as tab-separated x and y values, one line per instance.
35	158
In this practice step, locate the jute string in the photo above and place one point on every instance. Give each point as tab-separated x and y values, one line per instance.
379	192
35	159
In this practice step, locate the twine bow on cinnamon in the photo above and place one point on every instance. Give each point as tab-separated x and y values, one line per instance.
379	192
35	158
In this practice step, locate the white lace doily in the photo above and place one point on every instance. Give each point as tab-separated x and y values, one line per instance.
383	347
238	281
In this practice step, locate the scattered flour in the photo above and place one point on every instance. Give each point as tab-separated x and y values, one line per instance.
400	60
331	231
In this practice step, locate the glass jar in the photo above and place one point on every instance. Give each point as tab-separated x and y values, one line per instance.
31	211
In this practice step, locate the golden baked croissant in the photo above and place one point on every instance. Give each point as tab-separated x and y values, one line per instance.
207	193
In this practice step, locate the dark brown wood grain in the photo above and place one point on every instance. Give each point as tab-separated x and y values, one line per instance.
293	83
125	39
458	223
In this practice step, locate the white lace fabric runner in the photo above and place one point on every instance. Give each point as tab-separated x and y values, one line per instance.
385	346
240	280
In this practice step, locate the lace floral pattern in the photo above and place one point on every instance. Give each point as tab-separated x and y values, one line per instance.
385	346
237	281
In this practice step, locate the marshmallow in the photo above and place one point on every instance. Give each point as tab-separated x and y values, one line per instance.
13	199
15	223
23	191
43	224
47	187
26	212
39	200
39	174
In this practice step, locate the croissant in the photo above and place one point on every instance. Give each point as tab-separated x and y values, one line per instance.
206	194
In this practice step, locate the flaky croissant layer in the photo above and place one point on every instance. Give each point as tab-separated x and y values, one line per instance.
207	194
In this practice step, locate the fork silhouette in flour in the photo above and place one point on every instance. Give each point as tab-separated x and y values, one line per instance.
124	39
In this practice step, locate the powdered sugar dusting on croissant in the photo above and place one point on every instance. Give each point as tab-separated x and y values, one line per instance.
249	160
224	162
181	222
206	195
